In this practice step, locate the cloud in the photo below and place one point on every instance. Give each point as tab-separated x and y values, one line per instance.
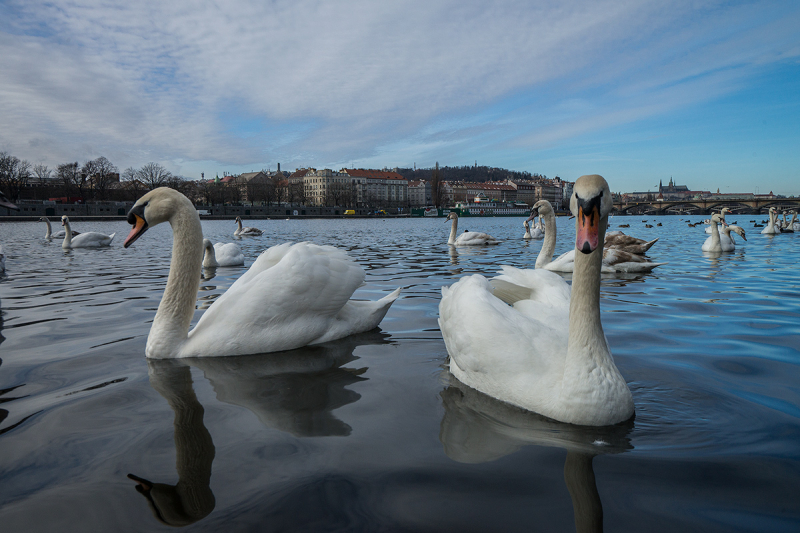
249	83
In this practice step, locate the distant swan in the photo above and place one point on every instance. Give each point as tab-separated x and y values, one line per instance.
547	353
246	230
57	235
618	240
221	255
293	295
468	238
771	228
87	239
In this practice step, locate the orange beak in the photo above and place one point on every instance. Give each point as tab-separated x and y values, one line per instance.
588	231
139	227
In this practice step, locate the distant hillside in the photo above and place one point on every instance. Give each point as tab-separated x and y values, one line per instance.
466	173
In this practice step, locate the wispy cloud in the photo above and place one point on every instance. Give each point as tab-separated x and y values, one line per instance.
250	83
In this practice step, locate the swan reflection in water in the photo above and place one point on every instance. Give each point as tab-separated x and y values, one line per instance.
294	391
477	429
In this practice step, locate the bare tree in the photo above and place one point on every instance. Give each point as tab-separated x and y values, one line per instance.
75	181
130	182
42	173
14	175
100	172
153	175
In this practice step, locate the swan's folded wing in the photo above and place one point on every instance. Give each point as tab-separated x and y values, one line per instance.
541	286
475	238
288	298
563	263
493	345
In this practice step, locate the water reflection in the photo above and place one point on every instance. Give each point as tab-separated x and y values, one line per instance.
294	391
477	429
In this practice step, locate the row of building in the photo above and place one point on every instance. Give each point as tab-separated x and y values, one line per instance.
674	192
385	188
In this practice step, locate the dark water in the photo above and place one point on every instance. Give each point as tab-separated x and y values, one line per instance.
372	433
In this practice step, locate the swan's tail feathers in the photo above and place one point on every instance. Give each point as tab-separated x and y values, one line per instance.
636	267
358	316
111	237
647	245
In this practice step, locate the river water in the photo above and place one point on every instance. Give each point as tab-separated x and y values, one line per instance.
372	433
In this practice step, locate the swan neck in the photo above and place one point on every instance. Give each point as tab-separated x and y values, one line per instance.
171	324
49	229
715	242
67	235
209	257
549	244
453	231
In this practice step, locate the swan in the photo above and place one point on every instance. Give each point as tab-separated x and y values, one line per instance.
795	225
614	260
527	226
293	295
713	243
722	213
221	255
57	235
246	230
726	239
786	226
87	239
547	353
468	238
618	240
770	228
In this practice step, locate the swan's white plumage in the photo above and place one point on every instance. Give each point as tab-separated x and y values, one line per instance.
245	231
222	254
771	227
468	238
87	239
50	234
546	352
713	243
293	295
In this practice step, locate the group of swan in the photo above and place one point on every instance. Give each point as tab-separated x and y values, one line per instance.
293	295
245	231
545	352
722	242
616	257
49	234
538	229
88	239
468	238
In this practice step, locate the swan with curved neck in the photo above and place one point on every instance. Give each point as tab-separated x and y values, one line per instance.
712	243
726	239
771	227
293	295
245	230
468	238
87	239
528	355
221	255
613	260
527	227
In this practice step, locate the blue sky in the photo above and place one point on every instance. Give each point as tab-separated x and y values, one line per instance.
707	93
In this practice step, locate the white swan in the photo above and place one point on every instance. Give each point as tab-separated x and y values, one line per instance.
786	226
530	355
771	228
246	230
468	238
614	260
221	254
713	243
722	214
795	225
726	239
527	227
58	234
87	239
293	295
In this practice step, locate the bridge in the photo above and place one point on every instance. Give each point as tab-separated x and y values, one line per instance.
704	206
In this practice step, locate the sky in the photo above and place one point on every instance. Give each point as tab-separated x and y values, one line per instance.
706	93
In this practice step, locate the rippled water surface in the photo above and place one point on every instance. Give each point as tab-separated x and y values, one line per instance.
372	433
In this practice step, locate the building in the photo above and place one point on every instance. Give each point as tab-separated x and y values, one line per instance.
329	188
378	188
419	193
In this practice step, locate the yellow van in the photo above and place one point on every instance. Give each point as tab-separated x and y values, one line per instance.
350	212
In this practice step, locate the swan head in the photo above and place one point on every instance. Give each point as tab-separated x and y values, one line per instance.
716	218
738	230
64	220
526	225
155	207
542	207
452	215
591	203
238	219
